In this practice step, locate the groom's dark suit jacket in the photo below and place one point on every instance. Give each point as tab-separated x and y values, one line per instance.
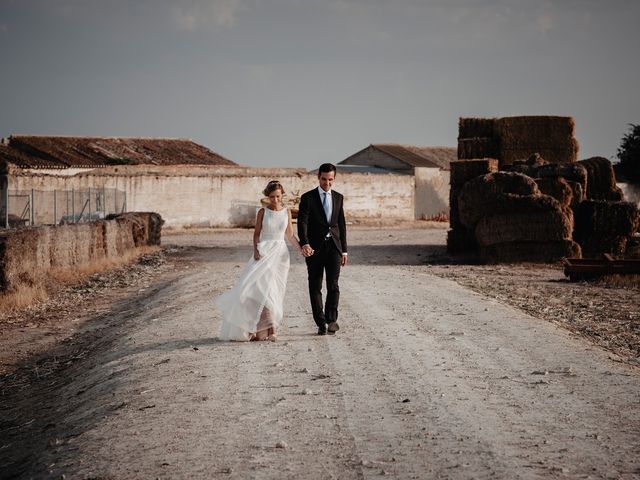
312	222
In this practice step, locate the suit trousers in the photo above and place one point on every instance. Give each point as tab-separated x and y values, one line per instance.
327	259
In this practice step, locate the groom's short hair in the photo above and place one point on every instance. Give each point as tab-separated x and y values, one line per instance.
326	168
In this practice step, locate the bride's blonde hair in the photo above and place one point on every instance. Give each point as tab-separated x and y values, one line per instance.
272	186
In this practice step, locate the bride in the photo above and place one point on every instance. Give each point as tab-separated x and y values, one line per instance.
253	308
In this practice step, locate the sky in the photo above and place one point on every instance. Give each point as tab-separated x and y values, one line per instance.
295	83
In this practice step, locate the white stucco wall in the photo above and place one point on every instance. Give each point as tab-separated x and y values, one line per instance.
432	192
229	196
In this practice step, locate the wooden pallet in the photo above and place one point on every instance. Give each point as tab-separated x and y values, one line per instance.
589	268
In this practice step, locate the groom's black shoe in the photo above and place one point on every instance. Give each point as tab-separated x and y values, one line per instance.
333	328
322	331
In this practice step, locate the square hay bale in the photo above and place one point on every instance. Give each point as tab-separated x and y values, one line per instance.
551	226
569	171
601	179
595	246
509	154
454	216
556	187
546	131
469	127
537	252
601	218
464	170
461	240
478	147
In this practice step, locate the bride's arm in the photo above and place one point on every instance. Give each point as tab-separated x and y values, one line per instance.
290	235
256	234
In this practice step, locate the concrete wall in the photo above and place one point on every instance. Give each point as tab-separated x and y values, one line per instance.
28	255
432	192
229	196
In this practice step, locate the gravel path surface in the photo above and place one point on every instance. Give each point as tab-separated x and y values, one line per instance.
426	379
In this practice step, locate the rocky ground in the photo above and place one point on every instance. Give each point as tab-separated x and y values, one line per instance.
443	369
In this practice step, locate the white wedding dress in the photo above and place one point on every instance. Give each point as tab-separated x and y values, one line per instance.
255	303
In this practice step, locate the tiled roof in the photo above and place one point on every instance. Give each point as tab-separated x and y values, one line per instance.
420	156
30	151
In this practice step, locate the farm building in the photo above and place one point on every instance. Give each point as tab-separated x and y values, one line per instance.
52	180
428	165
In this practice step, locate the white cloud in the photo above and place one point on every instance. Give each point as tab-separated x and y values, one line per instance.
195	14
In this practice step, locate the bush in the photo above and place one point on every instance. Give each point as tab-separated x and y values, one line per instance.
629	154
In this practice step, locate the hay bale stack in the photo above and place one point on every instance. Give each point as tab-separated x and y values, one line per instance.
460	239
527	167
552	137
557	188
541	252
514	221
601	180
470	127
463	171
478	147
605	227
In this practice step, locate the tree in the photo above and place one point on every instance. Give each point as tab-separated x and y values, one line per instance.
629	154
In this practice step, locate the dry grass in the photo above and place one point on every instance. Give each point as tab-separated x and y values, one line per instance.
23	297
26	296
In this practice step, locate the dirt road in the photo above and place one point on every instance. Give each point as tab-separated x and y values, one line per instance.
426	379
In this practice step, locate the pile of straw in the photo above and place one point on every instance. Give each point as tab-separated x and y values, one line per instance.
604	226
601	180
461	239
513	221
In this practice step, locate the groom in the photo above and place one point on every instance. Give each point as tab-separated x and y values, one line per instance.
323	237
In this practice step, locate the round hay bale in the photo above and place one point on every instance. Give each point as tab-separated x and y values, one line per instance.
557	188
548	226
537	252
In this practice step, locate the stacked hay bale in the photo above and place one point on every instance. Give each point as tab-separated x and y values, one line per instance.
477	138
605	227
513	221
552	178
601	182
461	239
552	137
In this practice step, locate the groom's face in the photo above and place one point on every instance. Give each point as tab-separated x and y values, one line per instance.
326	180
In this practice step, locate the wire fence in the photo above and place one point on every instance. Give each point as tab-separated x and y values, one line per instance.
20	208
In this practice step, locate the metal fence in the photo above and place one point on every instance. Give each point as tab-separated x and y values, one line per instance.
52	207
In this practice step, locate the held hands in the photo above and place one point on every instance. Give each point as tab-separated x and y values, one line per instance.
256	253
306	250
